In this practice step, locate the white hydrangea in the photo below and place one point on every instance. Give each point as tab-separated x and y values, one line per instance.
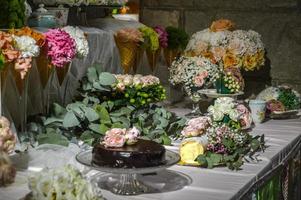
62	183
82	46
27	46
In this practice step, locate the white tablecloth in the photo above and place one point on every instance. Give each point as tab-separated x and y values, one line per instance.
181	182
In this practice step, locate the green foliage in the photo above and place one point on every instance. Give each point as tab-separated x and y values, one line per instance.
2	61
151	38
177	38
237	153
289	99
12	13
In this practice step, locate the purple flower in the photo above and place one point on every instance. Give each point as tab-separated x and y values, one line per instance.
163	36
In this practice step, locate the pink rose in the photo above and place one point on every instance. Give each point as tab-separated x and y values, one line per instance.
115	137
22	65
200	78
132	135
245	117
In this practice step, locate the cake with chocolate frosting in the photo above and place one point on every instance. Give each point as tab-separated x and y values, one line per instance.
122	149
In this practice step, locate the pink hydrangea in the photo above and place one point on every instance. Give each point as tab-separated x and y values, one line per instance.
163	36
61	47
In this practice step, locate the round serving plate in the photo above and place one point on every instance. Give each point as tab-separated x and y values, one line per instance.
284	114
127	183
212	93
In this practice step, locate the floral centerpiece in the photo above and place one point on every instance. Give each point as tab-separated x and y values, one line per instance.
227	110
62	183
128	40
229	48
61	47
194	73
280	99
151	44
218	139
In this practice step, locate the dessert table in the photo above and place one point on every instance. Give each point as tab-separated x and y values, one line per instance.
283	140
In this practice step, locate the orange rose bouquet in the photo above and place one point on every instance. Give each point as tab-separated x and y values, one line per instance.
228	47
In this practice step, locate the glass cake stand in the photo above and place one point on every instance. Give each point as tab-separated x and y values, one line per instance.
127	182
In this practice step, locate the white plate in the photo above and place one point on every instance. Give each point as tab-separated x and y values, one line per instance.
212	93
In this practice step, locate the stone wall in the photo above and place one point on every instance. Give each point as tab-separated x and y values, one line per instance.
278	21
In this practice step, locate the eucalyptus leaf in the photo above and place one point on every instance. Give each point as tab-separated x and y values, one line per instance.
52	138
70	120
92	74
95	128
91	114
107	79
52	120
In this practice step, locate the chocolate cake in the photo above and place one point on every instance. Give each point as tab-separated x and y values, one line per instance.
144	153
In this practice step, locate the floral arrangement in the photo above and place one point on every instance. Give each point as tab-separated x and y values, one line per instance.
227	110
218	139
61	47
163	36
62	183
140	90
7	49
194	73
28	48
228	47
130	35
151	38
26	31
136	90
177	38
281	98
82	46
230	81
118	137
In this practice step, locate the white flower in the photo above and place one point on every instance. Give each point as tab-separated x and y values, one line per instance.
233	114
82	46
132	135
128	80
27	46
63	183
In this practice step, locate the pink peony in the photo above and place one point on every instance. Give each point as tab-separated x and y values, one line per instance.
61	47
163	36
